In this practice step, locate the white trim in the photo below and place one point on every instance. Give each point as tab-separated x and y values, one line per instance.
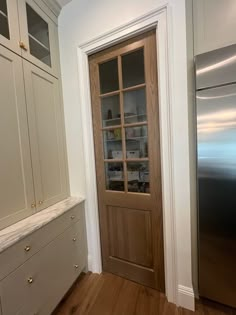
157	18
186	297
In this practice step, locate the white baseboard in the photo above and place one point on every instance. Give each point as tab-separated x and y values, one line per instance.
186	298
90	263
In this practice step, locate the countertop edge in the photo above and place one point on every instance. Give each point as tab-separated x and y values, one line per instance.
17	231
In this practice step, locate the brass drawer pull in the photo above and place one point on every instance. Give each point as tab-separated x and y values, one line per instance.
74	239
27	248
76	266
30	280
33	205
72	217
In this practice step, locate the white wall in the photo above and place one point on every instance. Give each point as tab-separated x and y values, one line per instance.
214	24
82	20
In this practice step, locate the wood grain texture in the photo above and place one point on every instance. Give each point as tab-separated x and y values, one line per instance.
130	235
107	294
144	266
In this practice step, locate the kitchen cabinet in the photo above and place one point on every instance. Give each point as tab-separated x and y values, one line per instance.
16	179
39	281
214	24
38	36
9	26
30	32
33	165
45	114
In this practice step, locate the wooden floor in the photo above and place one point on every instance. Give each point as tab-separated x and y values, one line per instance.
107	294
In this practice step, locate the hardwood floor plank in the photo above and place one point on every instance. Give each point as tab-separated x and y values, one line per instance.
107	294
127	299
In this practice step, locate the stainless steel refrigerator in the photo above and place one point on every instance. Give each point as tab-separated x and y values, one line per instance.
216	150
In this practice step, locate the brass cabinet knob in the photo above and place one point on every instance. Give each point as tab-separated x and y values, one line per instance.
22	45
27	248
33	205
40	202
74	239
76	266
30	280
72	217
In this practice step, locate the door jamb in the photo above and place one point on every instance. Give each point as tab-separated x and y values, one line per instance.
158	19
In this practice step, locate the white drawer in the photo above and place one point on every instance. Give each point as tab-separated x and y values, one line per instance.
52	270
17	254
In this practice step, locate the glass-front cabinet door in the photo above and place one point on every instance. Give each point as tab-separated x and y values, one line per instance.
38	34
9	30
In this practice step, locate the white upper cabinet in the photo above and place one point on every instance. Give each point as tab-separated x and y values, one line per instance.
33	162
16	181
31	32
214	24
9	26
38	36
45	116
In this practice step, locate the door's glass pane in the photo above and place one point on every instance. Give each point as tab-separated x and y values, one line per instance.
110	110
138	177
38	36
112	144
135	106
108	72
4	27
133	68
114	176
136	142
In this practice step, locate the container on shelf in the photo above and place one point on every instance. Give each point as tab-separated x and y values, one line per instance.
115	175
117	155
133	154
133	175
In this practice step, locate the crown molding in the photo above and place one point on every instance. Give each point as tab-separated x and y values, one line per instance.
54	6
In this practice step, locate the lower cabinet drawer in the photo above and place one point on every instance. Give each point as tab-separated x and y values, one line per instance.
39	284
23	250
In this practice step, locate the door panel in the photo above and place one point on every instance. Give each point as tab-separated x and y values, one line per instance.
46	136
9	25
15	164
130	235
126	134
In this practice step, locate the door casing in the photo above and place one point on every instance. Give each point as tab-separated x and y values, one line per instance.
157	18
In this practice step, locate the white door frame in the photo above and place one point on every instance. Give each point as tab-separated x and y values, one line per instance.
158	19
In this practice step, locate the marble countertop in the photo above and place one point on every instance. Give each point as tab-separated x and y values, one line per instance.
14	233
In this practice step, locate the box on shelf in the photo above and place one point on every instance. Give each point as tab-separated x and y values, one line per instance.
144	176
133	154
115	175
133	175
117	155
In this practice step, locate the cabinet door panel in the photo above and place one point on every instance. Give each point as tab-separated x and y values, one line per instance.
9	26
38	33
46	136
15	164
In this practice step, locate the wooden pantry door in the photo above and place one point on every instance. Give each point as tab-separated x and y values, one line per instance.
124	93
